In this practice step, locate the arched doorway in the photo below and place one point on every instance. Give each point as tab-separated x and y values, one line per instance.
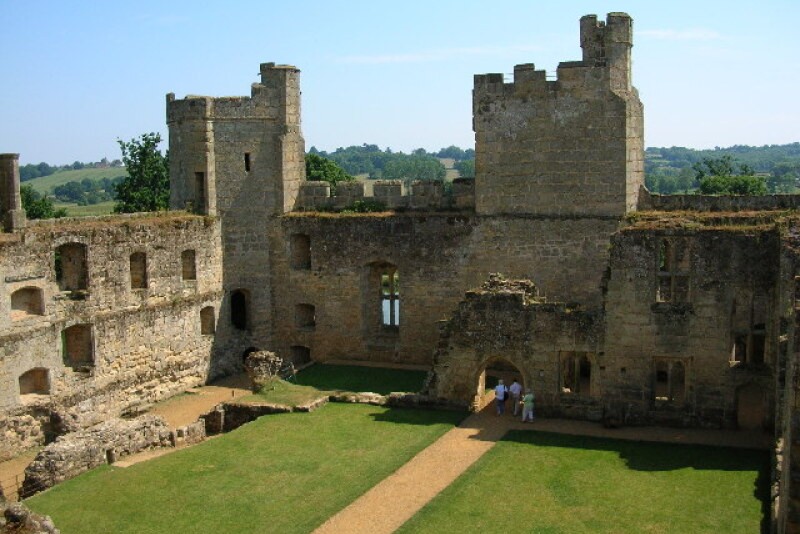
494	370
751	407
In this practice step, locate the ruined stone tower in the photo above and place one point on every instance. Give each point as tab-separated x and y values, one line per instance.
241	159
11	213
570	146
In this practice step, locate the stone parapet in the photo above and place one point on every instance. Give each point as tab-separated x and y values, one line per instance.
390	194
718	202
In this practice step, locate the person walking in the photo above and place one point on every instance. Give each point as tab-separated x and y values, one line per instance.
515	391
500	393
527	406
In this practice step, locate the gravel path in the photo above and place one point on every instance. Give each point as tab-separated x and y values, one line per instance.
394	500
385	507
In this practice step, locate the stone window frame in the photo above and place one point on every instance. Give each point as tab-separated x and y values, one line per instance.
673	268
749	341
71	267
300	252
390	294
571	365
137	270
36	374
189	265
79	358
240	312
305	316
25	308
676	393
208	321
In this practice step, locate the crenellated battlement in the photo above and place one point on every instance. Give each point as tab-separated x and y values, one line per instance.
275	98
569	146
392	194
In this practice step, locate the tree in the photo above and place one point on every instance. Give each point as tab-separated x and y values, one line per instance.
37	206
718	176
465	168
147	186
325	170
414	168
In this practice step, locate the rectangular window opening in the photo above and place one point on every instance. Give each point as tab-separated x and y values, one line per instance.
247	162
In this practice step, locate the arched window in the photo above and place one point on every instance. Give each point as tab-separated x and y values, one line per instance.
239	309
188	266
36	381
71	267
207	321
138	262
25	302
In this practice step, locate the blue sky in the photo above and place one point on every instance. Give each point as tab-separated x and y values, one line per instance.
78	75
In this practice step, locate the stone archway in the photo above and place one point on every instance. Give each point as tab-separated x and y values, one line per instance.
488	375
751	407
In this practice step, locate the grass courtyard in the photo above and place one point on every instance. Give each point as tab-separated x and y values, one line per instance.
288	473
552	483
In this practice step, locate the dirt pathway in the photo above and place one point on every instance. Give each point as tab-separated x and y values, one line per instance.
395	499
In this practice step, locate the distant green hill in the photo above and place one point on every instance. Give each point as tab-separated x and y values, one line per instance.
45	184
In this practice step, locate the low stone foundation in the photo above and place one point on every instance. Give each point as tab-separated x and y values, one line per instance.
78	452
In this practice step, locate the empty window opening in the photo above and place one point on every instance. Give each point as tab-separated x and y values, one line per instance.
305	316
35	382
207	321
71	267
138	270
390	298
300	355
300	245
247	161
26	302
188	265
670	381
576	373
673	270
239	306
77	346
200	191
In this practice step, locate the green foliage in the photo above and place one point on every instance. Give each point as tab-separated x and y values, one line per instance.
722	176
365	206
733	185
372	161
88	191
147	186
37	206
320	168
664	165
284	473
416	167
564	483
465	168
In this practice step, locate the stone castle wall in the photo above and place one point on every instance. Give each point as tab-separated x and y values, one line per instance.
71	357
438	257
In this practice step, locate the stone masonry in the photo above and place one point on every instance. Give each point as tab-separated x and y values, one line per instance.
613	304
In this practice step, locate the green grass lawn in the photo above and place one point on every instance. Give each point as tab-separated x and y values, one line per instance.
45	184
74	210
323	379
282	473
551	483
